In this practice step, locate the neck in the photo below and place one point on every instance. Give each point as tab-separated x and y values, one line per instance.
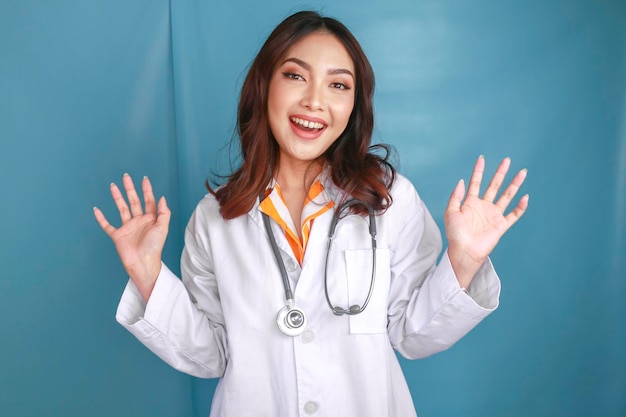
295	181
299	176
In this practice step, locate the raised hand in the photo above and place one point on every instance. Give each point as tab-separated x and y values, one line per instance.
474	226
140	239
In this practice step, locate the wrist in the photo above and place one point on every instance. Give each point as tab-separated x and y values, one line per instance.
146	278
464	266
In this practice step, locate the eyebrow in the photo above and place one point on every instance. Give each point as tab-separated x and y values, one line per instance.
308	67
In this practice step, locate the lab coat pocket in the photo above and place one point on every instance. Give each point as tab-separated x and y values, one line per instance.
373	319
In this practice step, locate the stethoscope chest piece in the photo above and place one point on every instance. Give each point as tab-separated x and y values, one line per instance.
291	320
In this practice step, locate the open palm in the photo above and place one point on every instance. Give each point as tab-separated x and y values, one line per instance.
140	239
474	225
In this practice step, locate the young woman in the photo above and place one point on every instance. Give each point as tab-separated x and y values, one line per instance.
315	260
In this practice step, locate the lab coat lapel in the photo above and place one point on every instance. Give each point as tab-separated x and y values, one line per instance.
281	241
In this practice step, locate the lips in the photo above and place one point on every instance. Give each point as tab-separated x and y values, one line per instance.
307	124
307	128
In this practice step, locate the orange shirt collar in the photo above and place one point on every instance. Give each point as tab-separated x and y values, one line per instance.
316	203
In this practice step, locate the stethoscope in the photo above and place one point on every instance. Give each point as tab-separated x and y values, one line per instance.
291	319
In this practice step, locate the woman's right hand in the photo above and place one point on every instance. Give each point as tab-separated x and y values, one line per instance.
140	239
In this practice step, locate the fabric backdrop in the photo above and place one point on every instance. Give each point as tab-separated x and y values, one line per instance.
90	90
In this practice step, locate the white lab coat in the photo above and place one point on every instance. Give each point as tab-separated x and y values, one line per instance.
220	321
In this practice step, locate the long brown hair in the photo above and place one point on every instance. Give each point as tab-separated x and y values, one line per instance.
355	166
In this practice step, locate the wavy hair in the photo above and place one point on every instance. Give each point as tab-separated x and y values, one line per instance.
357	167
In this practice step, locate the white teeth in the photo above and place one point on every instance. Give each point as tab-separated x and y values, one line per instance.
307	124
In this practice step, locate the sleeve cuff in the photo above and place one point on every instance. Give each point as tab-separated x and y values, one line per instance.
133	308
483	291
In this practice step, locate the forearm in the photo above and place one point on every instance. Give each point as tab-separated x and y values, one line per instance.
172	327
439	313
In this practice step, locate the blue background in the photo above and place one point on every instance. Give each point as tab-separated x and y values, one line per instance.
90	90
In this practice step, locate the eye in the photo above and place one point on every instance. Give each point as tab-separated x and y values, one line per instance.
340	86
293	76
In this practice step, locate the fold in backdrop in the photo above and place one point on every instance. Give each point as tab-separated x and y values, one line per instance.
90	90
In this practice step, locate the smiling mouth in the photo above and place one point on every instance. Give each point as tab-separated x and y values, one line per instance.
307	125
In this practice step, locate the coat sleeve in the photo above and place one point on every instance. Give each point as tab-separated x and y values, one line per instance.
182	322
428	310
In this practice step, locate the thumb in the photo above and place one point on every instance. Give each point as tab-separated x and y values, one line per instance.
454	204
163	213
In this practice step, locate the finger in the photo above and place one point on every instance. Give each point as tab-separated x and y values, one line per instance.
163	219
102	221
454	204
508	194
148	196
131	193
518	211
477	177
120	203
497	180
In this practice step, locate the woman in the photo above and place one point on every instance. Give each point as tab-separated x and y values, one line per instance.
292	324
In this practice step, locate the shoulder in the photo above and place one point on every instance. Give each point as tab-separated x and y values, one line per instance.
207	212
402	184
408	218
404	194
208	206
207	216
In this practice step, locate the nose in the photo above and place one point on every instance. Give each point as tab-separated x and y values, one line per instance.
313	98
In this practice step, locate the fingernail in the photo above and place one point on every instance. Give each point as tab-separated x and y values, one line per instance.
112	184
125	174
145	177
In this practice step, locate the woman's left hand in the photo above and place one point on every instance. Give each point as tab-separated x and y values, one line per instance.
474	226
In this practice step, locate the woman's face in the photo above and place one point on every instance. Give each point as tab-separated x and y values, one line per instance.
311	97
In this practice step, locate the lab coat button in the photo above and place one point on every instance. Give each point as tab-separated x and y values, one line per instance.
310	407
291	265
308	336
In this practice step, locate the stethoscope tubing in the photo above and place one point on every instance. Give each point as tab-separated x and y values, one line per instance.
353	309
279	261
296	327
